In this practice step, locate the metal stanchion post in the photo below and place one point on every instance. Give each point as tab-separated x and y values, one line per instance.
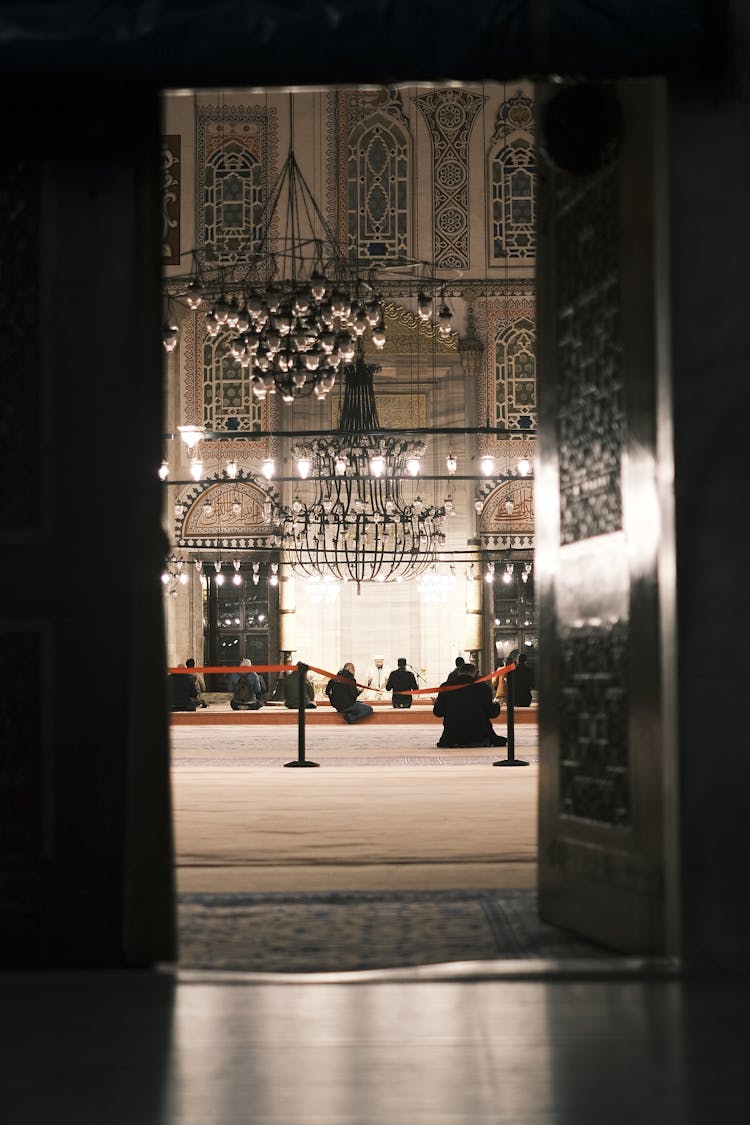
511	760
301	705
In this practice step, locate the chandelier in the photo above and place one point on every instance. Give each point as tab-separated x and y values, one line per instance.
292	312
358	526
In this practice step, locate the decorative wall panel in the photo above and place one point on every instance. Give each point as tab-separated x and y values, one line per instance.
507	521
171	173
594	766
226	514
450	115
591	412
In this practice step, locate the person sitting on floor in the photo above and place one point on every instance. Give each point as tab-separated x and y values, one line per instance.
399	681
246	689
200	683
467	712
182	690
343	691
291	691
458	669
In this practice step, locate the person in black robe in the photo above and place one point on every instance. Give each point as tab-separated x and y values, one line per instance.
467	712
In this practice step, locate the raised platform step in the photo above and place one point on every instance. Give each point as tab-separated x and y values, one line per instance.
271	715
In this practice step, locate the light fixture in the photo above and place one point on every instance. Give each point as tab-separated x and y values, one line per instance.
490	572
219	579
524	467
356	525
274	579
303	467
509	504
179	509
291	313
451	464
479	506
232	470
268	468
196	468
170	334
208	508
164	470
191	435
237	577
487	465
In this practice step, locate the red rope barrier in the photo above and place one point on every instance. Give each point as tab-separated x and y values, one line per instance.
228	669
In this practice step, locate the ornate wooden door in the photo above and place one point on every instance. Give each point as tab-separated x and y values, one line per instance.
604	567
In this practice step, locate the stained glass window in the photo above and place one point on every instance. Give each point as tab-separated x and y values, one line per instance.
233	203
378	191
513	172
515	375
227	390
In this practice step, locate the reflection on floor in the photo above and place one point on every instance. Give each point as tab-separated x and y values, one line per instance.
150	1049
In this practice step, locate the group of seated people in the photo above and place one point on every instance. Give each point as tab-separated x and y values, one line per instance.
186	689
467	713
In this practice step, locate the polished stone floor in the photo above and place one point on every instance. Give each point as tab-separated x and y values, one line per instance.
506	1043
144	1048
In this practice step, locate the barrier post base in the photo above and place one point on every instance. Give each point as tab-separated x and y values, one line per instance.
511	762
298	764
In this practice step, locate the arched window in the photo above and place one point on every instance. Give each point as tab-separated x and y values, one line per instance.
513	172
378	191
232	204
515	375
227	390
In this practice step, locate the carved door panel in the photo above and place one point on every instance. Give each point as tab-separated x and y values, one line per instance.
604	568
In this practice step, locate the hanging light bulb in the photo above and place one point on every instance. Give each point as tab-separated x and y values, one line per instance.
303	467
164	470
524	467
489	576
487	465
413	465
268	468
236	508
208	509
377	465
424	306
169	336
274	579
196	468
232	470
199	565
509	505
237	577
219	580
191	435
479	506
451	464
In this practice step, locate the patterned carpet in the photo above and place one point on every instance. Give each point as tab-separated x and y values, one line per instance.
355	931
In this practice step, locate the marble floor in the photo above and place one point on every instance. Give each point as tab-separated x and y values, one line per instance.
144	1048
508	1043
